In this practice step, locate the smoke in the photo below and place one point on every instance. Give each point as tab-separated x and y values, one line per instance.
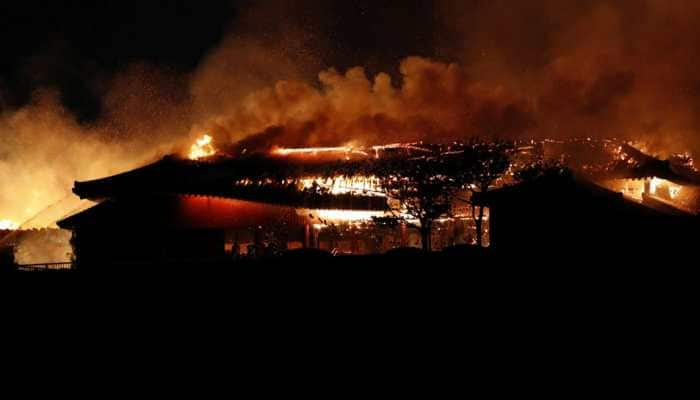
435	101
44	149
497	69
595	68
144	111
624	69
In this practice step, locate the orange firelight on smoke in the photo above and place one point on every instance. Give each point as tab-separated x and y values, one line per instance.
202	147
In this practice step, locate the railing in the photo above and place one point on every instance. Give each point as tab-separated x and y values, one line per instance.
45	266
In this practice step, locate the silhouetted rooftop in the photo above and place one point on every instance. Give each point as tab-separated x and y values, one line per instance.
576	190
272	180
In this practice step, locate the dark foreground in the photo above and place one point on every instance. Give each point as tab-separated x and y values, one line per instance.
456	265
590	301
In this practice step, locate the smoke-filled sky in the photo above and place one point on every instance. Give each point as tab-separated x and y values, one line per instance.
89	88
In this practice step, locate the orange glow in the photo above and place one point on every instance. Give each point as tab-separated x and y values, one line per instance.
203	147
656	184
407	146
366	185
201	212
634	189
309	150
312	151
347	215
7	225
284	151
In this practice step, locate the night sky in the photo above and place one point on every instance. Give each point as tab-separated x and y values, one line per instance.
69	45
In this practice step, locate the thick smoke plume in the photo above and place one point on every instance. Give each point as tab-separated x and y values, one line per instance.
43	148
624	69
433	101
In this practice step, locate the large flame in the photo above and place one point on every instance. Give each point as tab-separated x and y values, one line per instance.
203	147
659	186
6	224
366	185
310	150
635	189
347	150
336	216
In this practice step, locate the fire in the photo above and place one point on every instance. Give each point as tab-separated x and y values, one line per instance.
367	185
202	148
312	151
635	189
656	185
347	150
7	225
348	215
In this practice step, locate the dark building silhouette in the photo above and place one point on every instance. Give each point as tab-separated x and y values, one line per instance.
180	210
258	205
563	213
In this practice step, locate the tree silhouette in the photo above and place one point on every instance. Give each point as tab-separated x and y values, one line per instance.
419	188
480	166
542	169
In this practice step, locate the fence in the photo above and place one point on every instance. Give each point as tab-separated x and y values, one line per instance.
45	266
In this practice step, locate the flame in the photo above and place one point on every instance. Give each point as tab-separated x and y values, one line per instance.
203	147
7	225
366	185
348	150
281	151
312	151
348	215
656	183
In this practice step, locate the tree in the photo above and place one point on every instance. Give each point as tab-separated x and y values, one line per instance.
421	189
481	164
542	169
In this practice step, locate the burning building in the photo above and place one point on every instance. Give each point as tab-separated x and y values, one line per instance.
214	205
258	200
560	213
612	197
624	168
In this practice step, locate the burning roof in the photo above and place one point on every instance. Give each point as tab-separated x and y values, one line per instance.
277	180
567	188
327	177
